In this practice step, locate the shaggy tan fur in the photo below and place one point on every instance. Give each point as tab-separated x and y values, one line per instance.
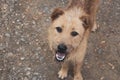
79	16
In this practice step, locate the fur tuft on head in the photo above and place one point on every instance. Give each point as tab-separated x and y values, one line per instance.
56	13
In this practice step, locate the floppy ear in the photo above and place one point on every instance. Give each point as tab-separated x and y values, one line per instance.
86	21
56	13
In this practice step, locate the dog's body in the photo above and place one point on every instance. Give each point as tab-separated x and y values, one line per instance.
69	32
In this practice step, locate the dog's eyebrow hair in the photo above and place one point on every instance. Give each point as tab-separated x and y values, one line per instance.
62	26
73	28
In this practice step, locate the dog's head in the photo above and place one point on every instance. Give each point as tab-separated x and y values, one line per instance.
67	31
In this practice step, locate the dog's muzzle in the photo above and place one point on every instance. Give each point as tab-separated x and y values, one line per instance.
61	52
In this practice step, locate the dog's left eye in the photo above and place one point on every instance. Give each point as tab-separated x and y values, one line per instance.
59	29
74	33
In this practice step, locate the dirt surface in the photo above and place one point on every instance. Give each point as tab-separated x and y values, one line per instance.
24	52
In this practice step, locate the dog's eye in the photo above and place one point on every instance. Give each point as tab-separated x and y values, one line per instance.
59	29
74	33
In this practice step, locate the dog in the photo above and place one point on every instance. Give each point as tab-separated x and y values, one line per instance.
68	34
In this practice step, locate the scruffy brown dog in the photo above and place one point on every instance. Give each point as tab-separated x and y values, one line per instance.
69	32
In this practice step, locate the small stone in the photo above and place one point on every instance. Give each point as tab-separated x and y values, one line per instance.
22	58
13	22
88	67
37	40
7	34
34	78
1	36
20	4
3	51
13	68
100	51
28	73
23	16
39	48
16	14
28	68
47	20
7	28
18	27
4	8
40	13
112	66
103	42
36	73
25	78
22	39
45	50
19	64
41	59
10	54
101	78
17	42
34	22
18	20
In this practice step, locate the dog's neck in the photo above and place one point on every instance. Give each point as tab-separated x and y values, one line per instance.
76	8
76	3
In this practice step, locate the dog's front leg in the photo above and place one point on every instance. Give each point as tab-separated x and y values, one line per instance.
63	71
77	73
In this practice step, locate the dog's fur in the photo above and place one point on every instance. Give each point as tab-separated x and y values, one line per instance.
79	16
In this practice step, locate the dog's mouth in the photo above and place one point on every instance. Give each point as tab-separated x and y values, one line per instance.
60	56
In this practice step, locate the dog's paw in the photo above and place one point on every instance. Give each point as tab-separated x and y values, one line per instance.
78	78
62	74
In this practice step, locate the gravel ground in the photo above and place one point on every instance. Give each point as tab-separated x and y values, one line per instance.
24	52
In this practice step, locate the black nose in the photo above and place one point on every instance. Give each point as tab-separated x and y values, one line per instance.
62	48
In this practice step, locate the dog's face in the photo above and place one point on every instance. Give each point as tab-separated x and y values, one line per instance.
66	32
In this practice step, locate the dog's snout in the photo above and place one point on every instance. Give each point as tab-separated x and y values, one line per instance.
62	48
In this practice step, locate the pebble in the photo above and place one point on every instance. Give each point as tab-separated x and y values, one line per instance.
18	27
4	8
41	59
27	69
103	42
18	20
112	66
47	20
45	50
1	36
100	51
35	73
39	48
22	58
7	34
22	39
13	68
33	22
28	73
101	78
13	22
35	78
10	54
26	78
17	42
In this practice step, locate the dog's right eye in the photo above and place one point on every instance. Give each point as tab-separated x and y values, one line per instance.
59	29
74	33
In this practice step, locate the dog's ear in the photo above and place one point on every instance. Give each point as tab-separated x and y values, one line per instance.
86	21
56	13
